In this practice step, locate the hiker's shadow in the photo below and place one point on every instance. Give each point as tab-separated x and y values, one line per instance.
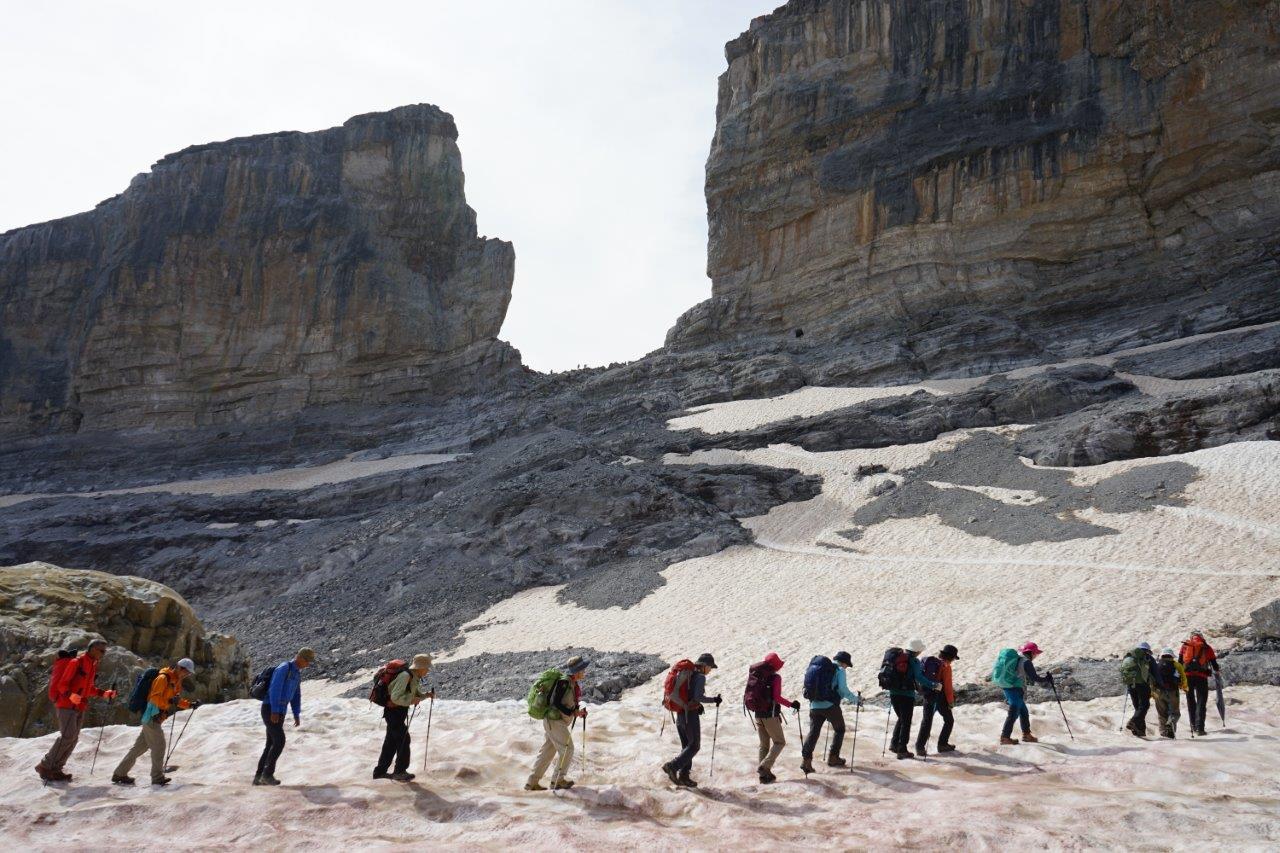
331	795
82	794
1101	751
892	779
437	809
755	802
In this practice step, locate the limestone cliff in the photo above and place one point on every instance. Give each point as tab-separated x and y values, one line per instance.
1063	175
251	278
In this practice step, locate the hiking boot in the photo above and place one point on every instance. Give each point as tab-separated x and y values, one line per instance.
670	769
1201	733
685	782
533	786
837	761
922	751
44	772
767	778
1008	741
906	755
122	780
806	765
562	785
946	747
402	776
161	782
381	774
257	779
1167	735
1028	737
269	779
58	776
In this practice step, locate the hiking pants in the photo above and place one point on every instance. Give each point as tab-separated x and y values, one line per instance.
558	743
1016	699
1140	695
275	742
395	743
69	722
1197	702
689	727
935	703
150	737
1167	708
835	717
773	738
905	708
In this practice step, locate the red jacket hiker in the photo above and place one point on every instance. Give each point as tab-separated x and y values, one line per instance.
76	679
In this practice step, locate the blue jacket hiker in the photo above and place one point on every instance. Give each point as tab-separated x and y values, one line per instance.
824	707
903	698
285	690
1014	687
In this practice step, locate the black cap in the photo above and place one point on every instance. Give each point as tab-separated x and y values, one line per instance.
950	653
843	657
705	659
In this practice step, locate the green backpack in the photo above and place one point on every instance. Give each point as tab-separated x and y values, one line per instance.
539	698
1135	669
1007	673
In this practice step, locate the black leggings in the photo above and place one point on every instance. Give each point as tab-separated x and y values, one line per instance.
835	717
904	707
395	744
275	742
1197	702
935	703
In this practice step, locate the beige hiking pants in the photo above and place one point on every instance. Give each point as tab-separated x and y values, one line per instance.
772	740
69	723
558	744
150	737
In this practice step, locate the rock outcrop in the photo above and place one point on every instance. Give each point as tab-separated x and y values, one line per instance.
44	608
1072	176
248	279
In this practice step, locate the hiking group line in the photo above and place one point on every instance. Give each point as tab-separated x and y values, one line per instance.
555	699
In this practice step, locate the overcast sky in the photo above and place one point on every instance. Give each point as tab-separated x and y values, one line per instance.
584	125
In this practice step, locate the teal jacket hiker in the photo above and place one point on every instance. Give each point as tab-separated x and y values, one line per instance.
917	675
842	687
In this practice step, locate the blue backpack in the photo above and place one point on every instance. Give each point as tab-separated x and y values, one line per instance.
141	690
819	680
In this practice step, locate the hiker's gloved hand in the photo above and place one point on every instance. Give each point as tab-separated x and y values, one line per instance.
717	699
195	703
297	721
432	695
1049	678
795	705
276	719
581	712
76	698
108	695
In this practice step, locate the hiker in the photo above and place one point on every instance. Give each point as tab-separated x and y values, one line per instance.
1013	671
71	686
825	685
556	696
902	680
938	668
1169	677
686	698
163	700
1198	659
404	692
1136	672
764	699
284	688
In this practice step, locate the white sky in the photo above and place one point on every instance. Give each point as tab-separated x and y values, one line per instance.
584	125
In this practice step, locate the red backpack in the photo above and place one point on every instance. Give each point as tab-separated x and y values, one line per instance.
66	658
759	694
675	688
380	693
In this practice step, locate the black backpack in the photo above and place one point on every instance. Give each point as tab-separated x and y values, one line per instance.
819	680
1167	677
262	683
932	668
895	670
141	690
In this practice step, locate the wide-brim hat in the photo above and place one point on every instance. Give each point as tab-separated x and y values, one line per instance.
916	646
705	659
844	658
575	665
950	652
421	662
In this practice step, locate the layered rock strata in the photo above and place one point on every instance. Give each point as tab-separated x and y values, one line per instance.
44	608
1074	176
248	279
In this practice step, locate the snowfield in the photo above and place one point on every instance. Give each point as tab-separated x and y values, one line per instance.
1104	790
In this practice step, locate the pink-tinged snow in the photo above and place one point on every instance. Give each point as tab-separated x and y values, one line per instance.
1105	790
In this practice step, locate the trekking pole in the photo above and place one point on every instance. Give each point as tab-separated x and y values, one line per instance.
887	712
426	746
1124	708
857	712
662	728
173	744
1060	709
584	743
714	731
102	728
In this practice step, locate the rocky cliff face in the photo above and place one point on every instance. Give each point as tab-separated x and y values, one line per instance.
45	608
1064	175
255	277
